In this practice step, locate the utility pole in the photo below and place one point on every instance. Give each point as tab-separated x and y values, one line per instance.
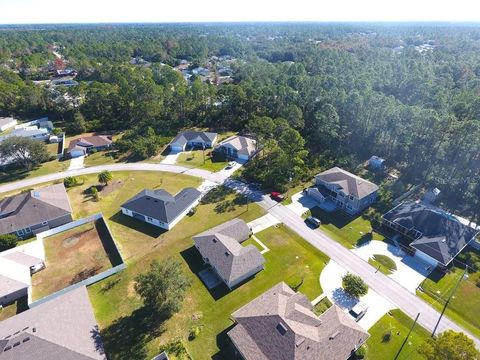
408	335
203	148
449	298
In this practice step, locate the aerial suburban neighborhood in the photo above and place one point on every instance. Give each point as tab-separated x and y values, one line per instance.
239	191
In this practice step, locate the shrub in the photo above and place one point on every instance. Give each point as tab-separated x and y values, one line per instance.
354	285
94	193
361	352
387	336
8	241
70	181
194	332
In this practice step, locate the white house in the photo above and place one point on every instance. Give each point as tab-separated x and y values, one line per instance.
195	139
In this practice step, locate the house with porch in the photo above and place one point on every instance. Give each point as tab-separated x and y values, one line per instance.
237	148
349	192
88	144
194	139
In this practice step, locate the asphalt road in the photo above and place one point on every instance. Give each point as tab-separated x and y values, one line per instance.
382	284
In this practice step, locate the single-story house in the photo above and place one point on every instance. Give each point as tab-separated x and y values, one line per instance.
376	162
197	139
436	235
35	211
220	247
84	145
237	147
280	325
15	274
63	328
7	123
160	208
37	130
349	192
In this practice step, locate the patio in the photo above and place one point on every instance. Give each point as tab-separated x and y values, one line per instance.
209	278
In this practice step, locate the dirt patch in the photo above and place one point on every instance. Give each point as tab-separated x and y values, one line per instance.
131	293
71	241
108	189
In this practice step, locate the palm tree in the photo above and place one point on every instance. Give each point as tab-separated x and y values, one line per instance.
104	177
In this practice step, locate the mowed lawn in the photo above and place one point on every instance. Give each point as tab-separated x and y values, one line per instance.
397	324
71	256
464	307
195	158
347	230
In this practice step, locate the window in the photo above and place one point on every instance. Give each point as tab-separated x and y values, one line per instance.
149	218
20	232
28	230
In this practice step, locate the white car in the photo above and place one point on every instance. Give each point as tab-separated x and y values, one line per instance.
231	164
359	310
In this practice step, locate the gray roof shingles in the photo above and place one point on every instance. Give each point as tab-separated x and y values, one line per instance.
160	205
33	207
186	136
351	184
280	325
63	328
221	245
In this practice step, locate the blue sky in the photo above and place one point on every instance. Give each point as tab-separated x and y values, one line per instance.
56	11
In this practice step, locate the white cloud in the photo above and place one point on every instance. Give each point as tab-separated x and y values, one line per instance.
56	11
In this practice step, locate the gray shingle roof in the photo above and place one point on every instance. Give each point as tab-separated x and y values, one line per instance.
160	205
242	144
221	245
63	328
23	259
89	141
186	136
280	325
351	184
33	207
436	233
9	286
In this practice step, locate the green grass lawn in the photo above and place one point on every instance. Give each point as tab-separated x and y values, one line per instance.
343	228
44	169
100	158
397	324
386	264
464	307
195	159
290	259
322	306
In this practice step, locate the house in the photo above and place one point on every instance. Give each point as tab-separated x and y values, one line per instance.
200	71
37	130
280	325
35	211
221	248
436	236
85	145
7	123
376	163
159	208
66	72
15	274
63	328
349	192
237	147
431	195
195	139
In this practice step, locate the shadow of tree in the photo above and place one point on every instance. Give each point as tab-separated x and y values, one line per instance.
126	337
217	194
365	239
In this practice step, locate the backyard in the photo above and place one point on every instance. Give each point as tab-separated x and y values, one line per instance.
290	259
464	306
343	228
388	334
71	256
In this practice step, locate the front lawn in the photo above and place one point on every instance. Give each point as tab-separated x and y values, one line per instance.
388	334
290	259
196	159
384	263
464	307
347	230
46	168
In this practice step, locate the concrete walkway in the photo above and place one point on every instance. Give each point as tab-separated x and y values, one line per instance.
265	249
263	223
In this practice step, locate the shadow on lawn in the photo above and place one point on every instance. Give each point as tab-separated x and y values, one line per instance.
126	337
195	262
227	351
137	225
339	219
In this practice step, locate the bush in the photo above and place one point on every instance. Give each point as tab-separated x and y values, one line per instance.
194	332
8	241
387	336
94	193
70	181
354	285
361	352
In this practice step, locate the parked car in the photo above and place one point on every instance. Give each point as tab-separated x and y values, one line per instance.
313	221
36	268
359	310
231	164
275	195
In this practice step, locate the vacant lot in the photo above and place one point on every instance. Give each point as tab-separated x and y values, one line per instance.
388	334
464	307
348	231
71	256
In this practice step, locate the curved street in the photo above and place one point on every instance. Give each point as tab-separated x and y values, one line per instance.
382	284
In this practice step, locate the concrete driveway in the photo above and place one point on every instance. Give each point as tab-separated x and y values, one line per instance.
229	172
331	282
263	223
410	271
301	203
76	163
171	158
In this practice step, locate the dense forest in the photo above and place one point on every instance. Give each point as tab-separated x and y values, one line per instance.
313	94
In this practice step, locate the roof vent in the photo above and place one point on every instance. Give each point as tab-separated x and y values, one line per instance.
214	240
16	344
300	342
34	330
147	198
36	194
7	348
282	329
226	253
334	335
26	339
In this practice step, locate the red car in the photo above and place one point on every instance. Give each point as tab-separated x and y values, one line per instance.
275	195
